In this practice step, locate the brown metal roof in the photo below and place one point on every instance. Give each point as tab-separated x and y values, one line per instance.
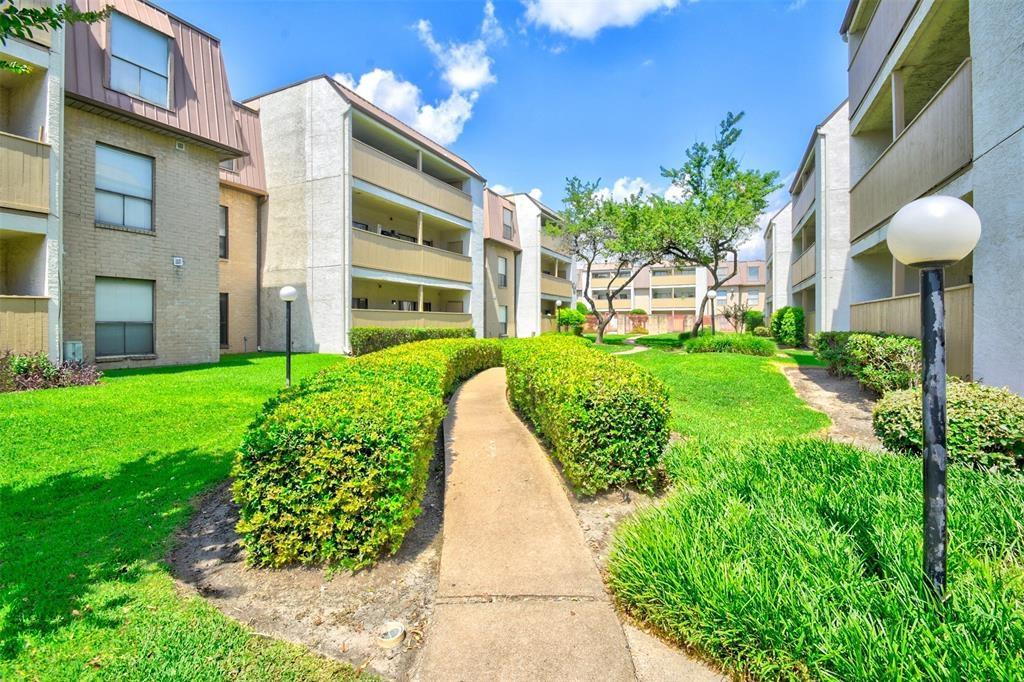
200	106
249	172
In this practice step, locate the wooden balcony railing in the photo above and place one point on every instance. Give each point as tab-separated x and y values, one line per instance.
937	143
868	53
556	286
402	318
804	267
902	315
804	198
371	250
377	168
673	280
660	303
24	324
24	174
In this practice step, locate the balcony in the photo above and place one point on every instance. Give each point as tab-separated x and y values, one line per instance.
553	243
902	315
803	267
936	144
402	318
675	279
24	174
377	252
377	168
555	286
24	324
870	47
804	198
663	303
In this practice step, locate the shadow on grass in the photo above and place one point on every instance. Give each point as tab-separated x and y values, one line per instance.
67	541
239	360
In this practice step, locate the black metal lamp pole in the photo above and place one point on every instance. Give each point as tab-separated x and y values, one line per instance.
933	408
712	317
288	343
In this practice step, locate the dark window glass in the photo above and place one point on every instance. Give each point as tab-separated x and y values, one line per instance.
224	320
223	231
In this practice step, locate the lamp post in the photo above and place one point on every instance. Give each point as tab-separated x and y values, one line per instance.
930	234
288	294
712	295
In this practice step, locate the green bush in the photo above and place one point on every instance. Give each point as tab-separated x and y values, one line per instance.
582	308
763	332
606	419
985	425
752	319
333	470
372	339
745	344
666	340
572	319
802	560
884	363
787	326
637	311
830	348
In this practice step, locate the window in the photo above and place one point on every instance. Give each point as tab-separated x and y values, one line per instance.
506	223
229	165
753	271
360	304
124	188
124	317
139	60
724	272
661	293
662	272
723	296
502	272
223	320
405	306
223	231
428	306
603	296
602	274
753	298
503	320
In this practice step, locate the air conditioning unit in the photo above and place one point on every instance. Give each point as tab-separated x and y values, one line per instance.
73	351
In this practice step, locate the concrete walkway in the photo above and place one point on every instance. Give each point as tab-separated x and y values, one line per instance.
519	594
847	404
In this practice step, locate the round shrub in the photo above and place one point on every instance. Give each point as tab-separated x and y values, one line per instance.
787	326
985	425
763	332
745	344
882	363
606	419
334	470
752	319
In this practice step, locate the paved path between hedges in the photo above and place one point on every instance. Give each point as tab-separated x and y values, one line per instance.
847	404
519	594
634	349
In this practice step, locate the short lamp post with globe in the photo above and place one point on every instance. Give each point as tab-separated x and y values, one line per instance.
288	294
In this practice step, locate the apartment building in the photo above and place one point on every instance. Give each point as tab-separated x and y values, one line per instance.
148	120
372	222
502	266
243	199
547	272
31	113
935	107
778	245
748	286
820	226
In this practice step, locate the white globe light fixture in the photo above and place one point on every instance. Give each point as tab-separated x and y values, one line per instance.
288	294
712	295
930	234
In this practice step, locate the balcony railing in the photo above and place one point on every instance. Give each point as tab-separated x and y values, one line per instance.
902	315
673	280
804	198
377	168
24	324
657	303
936	144
24	174
402	318
553	243
556	286
370	250
868	54
803	267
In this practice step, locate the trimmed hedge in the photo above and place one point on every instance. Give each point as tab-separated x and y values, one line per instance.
830	348
763	332
372	339
752	319
334	469
787	325
880	362
606	419
985	425
745	344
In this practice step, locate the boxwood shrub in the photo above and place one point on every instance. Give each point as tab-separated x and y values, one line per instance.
787	326
985	425
605	419
884	363
371	339
333	470
745	344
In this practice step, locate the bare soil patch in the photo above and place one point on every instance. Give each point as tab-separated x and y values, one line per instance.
338	616
846	403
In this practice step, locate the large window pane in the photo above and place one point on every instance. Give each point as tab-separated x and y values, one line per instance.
153	87
124	76
109	208
139	44
138	213
138	338
124	300
109	338
124	172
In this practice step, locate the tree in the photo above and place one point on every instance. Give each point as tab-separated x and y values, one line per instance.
23	21
736	313
720	205
596	229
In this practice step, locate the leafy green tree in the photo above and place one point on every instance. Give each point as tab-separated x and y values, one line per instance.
22	21
719	207
597	230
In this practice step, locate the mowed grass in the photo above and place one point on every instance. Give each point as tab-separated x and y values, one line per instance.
725	395
93	483
802	357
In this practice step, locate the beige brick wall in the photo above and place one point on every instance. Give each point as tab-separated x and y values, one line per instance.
238	270
494	296
186	200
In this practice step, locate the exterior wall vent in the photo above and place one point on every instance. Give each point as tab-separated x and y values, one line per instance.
180	146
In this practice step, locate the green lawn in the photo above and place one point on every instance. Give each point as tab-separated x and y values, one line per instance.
803	357
93	483
724	395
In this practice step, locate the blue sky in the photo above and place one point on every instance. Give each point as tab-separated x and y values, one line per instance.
533	91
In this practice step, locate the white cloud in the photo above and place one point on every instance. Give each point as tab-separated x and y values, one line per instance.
647	62
465	67
585	19
623	188
499	188
536	193
796	5
674	193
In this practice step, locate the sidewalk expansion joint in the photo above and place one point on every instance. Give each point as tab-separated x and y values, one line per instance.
504	598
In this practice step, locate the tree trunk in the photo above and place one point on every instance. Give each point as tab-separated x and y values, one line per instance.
601	324
698	322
